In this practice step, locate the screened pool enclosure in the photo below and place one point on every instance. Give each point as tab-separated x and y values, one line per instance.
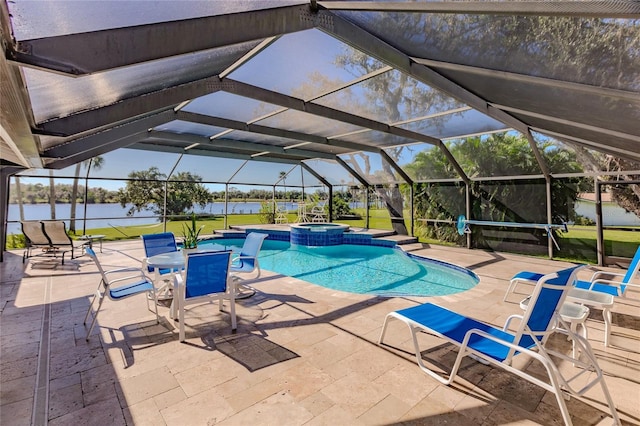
420	112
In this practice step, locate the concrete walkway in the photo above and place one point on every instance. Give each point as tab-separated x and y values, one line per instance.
302	355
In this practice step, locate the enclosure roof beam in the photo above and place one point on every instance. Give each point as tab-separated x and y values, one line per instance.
352	172
536	152
454	163
102	148
90	52
132	107
396	167
265	130
96	143
602	130
530	79
265	95
17	144
585	9
607	149
252	147
364	41
315	174
361	40
150	146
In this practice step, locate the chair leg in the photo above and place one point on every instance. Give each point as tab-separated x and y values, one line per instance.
155	305
512	288
234	324
180	307
89	310
95	316
606	314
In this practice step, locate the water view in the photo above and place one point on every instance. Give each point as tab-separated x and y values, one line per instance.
105	215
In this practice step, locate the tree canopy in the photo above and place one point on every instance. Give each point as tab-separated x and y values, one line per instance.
503	154
146	191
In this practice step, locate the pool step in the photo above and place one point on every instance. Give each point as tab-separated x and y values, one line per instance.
409	247
398	239
229	233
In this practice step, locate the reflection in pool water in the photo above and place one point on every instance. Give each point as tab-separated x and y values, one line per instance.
363	269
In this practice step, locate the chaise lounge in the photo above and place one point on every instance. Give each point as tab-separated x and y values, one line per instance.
51	237
497	346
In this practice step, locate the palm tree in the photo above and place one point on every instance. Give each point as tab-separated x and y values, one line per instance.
97	163
52	195
283	177
19	196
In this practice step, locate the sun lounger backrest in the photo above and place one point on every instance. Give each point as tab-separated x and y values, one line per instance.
32	230
56	230
634	267
546	300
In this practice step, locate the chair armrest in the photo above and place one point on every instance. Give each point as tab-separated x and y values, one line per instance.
534	354
508	321
607	282
244	257
130	278
178	280
239	259
599	273
120	270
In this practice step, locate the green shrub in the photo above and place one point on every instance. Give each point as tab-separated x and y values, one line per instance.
266	213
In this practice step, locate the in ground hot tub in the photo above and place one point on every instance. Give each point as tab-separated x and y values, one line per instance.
317	234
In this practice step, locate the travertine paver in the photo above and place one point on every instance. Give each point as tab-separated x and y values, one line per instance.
302	354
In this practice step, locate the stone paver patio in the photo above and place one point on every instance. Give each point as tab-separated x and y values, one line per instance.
302	355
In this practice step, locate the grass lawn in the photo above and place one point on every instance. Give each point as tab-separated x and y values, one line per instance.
577	245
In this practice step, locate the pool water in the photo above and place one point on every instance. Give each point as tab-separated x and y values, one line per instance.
362	269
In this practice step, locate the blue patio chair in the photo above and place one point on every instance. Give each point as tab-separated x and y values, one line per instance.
130	281
245	261
164	242
599	291
497	346
206	279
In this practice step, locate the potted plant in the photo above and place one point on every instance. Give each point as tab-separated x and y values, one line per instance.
190	234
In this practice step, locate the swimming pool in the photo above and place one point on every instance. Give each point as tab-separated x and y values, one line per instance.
362	269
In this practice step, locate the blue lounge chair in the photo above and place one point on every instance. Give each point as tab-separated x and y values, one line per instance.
599	281
164	242
130	281
599	291
206	279
497	346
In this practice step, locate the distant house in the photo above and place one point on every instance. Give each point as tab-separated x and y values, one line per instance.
612	213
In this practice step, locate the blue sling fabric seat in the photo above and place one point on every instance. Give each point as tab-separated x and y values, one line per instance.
497	346
164	242
206	279
154	244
